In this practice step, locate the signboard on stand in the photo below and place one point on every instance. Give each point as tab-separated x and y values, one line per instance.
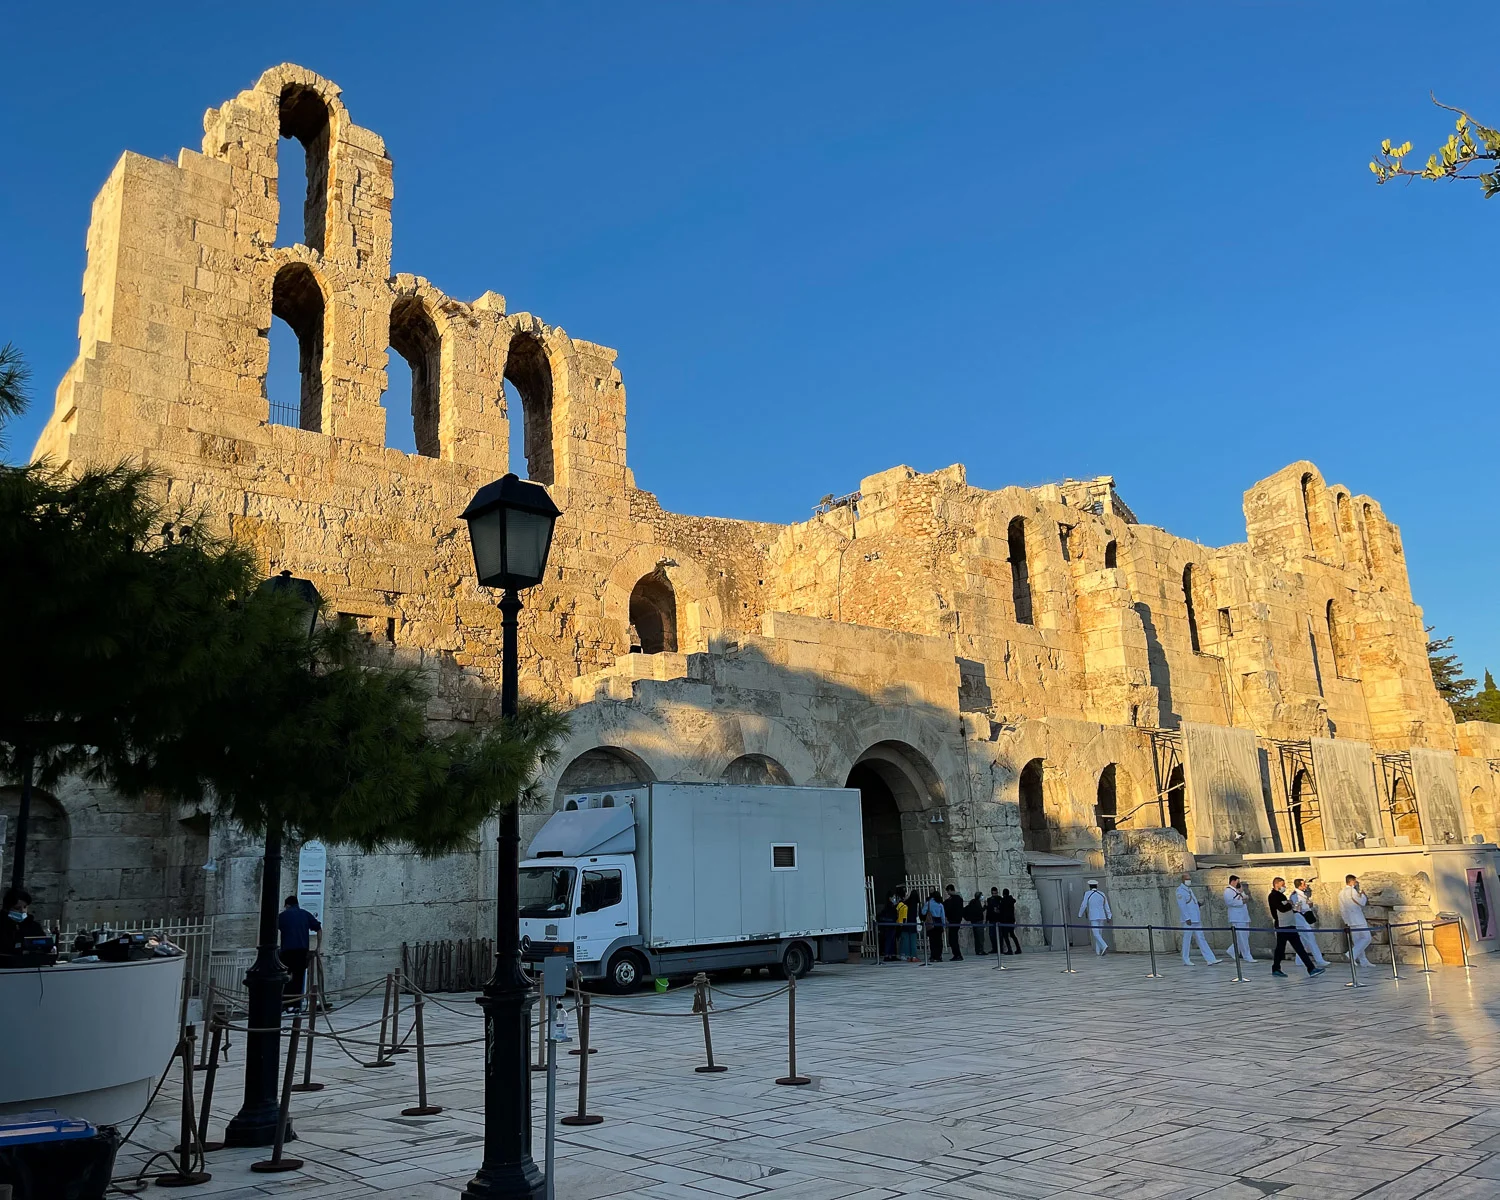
312	877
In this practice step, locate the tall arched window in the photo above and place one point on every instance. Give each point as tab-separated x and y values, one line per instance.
1374	539
1106	800
529	374
1177	800
1034	832
1338	646
415	338
1020	572
653	615
1192	611
1307	510
1306	822
304	117
1111	553
1348	534
297	300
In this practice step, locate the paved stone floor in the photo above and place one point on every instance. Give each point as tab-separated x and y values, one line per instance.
957	1081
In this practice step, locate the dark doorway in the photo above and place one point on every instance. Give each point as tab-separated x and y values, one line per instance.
1035	835
1106	801
1177	800
885	851
653	615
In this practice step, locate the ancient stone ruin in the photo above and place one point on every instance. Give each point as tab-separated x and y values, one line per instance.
1025	685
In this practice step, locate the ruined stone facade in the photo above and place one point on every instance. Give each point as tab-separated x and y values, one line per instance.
1007	676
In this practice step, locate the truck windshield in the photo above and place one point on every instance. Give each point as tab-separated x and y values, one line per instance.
546	891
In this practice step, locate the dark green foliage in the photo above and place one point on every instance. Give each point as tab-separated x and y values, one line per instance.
15	375
1449	679
144	653
1487	703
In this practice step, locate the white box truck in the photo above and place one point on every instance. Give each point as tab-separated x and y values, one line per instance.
670	878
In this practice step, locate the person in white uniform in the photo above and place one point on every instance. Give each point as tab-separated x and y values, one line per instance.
1237	902
1352	901
1191	914
1304	917
1095	907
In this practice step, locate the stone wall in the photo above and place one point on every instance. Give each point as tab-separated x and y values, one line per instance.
966	657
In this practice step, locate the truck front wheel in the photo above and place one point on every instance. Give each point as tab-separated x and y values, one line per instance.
625	972
796	962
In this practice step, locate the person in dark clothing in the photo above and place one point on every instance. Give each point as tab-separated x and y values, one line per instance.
1008	937
974	915
953	911
17	922
885	923
934	917
296	924
992	919
1286	930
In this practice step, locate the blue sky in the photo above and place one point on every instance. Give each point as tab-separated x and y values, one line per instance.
1043	240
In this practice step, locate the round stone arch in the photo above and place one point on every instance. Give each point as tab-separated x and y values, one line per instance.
900	795
412	290
643	749
699	615
742	735
1128	753
757	770
276	80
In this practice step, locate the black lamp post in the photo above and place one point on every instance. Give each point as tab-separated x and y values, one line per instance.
510	527
265	982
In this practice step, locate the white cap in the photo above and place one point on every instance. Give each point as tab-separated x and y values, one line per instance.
1093	883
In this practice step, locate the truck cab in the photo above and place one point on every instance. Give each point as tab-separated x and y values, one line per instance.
585	908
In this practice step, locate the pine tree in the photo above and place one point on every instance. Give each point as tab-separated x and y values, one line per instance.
1448	677
1487	703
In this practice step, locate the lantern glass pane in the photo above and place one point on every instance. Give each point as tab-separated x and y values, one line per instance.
489	558
526	537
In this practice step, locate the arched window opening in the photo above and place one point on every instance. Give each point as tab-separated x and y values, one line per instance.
1111	553
1106	800
880	817
1306	820
1405	820
758	770
1374	545
1192	611
1020	574
1177	800
530	375
1338	646
1348	532
653	615
1035	835
415	339
1307	509
304	118
297	300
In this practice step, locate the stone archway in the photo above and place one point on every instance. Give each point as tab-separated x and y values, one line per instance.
599	768
757	769
899	794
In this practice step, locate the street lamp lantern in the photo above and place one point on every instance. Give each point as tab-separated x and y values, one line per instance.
300	590
510	528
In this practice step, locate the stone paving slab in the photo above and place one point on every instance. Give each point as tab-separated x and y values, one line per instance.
956	1081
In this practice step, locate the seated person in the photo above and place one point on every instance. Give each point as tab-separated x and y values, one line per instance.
17	923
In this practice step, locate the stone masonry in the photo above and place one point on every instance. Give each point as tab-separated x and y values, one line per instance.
1007	676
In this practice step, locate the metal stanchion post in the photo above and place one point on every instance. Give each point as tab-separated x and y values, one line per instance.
385	1015
1353	970
208	1090
185	1176
314	999
276	1163
423	1109
1239	970
208	1021
701	1005
397	987
583	1116
1151	946
1422	941
1390	936
541	1029
1463	942
791	1078
1067	949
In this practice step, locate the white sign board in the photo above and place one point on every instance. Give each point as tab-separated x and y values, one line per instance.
312	877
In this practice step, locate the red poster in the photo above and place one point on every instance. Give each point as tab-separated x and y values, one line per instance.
1484	910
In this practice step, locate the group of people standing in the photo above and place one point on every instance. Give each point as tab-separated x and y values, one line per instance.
903	919
1296	919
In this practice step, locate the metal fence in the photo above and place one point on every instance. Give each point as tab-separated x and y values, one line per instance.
462	965
195	937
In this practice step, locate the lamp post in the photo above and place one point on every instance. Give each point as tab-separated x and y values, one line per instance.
510	528
265	982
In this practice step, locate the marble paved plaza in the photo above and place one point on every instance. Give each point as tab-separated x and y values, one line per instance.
957	1081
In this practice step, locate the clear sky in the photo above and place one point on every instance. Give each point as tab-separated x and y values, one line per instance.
1043	240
